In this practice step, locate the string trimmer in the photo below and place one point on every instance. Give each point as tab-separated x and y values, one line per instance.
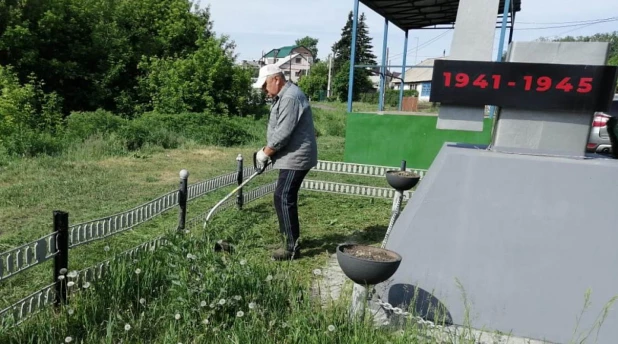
221	245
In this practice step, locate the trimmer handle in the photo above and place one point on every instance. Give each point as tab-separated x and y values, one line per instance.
259	170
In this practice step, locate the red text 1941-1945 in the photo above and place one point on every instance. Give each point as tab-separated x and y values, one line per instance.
527	83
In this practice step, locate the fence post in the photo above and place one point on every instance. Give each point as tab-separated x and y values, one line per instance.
61	260
183	195
239	196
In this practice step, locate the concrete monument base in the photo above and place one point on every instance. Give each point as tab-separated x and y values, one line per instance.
511	242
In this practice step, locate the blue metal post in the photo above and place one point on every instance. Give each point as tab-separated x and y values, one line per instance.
352	55
383	68
403	70
505	15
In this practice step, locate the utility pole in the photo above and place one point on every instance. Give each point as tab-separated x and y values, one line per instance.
330	69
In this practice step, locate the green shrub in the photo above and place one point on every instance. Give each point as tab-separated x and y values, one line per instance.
82	125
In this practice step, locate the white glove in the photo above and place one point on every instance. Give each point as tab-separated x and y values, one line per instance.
261	158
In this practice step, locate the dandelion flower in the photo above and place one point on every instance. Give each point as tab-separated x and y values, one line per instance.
177	316
240	314
86	285
317	272
138	271
68	339
142	301
243	262
222	302
127	327
252	305
237	297
269	278
203	303
70	284
106	248
331	328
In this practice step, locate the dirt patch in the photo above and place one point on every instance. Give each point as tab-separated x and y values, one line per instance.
370	253
404	174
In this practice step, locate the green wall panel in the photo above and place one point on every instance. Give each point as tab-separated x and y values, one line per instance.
388	139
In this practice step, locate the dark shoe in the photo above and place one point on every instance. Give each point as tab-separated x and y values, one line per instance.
284	254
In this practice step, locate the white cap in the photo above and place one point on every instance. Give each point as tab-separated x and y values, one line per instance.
265	72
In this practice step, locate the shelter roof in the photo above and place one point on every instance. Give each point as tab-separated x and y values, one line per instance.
419	14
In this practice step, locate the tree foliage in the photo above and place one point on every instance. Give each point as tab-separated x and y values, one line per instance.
341	59
114	54
316	81
343	48
311	44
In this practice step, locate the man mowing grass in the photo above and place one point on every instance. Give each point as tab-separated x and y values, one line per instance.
291	147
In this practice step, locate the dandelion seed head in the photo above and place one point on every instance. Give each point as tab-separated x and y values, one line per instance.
70	284
222	302
212	305
135	261
127	327
191	256
240	314
68	339
70	311
106	248
138	271
317	272
243	262
284	324
61	277
237	297
86	285
331	328
177	316
142	301
269	278
205	321
203	303
252	305
64	271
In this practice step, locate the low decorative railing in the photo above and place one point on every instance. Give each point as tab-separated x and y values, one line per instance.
64	237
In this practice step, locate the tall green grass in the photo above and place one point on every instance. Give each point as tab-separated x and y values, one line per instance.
186	293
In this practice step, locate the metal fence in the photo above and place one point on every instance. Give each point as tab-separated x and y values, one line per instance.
63	238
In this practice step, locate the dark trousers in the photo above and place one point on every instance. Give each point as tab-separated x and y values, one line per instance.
286	204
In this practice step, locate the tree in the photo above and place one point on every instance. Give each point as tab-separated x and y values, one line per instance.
362	83
316	81
311	44
343	47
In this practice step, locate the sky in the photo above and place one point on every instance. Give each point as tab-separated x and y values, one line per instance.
262	25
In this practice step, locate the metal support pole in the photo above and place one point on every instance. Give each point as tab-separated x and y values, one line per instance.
183	193
403	71
239	196
61	259
383	68
505	14
512	26
352	54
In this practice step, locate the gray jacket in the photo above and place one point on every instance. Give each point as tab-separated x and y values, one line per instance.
290	130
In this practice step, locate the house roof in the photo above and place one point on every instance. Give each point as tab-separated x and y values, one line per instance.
282	52
418	14
414	75
287	59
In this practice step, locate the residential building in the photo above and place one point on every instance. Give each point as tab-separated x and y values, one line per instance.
375	76
294	60
418	79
